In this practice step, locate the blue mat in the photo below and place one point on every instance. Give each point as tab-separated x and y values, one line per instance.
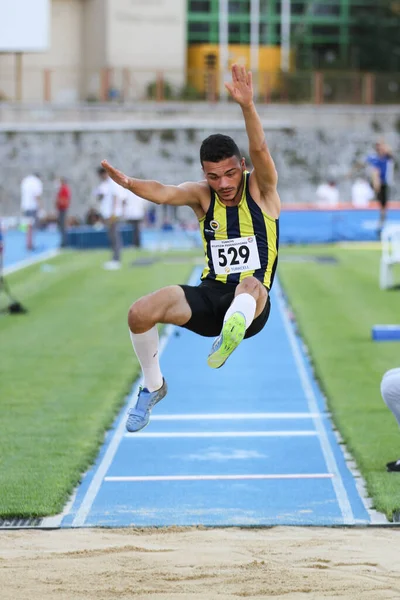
383	333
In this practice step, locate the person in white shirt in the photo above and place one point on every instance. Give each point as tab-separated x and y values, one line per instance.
108	194
31	194
134	210
361	193
327	194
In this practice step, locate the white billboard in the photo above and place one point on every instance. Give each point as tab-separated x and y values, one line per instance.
24	25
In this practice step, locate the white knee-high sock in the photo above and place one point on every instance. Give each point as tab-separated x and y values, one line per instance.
244	303
146	348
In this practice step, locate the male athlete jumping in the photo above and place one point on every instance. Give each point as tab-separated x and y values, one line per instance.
238	214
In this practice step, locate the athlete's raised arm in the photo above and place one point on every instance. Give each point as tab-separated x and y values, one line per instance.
186	194
241	90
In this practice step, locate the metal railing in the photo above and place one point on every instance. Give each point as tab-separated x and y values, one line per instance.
124	85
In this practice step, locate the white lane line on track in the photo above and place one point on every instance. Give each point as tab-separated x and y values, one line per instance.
97	480
234	416
31	261
219	434
122	479
329	456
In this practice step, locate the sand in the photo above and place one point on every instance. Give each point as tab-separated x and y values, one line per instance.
280	562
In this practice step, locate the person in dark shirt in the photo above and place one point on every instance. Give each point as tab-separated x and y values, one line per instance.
380	164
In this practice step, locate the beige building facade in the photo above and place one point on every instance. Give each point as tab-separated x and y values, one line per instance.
101	49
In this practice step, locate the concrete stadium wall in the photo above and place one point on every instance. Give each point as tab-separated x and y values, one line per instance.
307	147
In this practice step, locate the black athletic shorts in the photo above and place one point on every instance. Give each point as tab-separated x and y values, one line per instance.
383	195
209	302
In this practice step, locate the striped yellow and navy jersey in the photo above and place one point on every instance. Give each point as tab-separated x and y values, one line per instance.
239	241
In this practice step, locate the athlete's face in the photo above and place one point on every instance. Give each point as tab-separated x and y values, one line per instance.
225	177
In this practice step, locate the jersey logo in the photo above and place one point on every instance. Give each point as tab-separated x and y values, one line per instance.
214	225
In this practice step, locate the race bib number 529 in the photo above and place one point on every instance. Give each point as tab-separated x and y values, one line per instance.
235	255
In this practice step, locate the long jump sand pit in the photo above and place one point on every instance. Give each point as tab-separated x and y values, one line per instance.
281	562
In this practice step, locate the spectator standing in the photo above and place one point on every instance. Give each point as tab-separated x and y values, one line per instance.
361	193
327	194
109	195
134	210
31	194
380	165
63	202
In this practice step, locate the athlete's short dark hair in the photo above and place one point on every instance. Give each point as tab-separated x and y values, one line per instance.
217	147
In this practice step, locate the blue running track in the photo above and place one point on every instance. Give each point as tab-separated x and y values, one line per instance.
250	444
15	252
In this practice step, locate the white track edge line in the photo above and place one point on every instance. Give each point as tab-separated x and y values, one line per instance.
108	457
330	460
22	264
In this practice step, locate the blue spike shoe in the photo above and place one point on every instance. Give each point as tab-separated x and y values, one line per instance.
139	415
232	333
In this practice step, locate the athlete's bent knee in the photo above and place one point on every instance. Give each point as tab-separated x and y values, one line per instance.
138	317
167	305
251	285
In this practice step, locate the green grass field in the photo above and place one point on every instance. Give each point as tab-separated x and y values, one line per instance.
65	369
67	366
335	306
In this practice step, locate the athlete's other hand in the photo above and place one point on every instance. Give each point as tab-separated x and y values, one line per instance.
241	88
118	176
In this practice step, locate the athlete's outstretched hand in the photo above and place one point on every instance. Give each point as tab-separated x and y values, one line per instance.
241	88
118	176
